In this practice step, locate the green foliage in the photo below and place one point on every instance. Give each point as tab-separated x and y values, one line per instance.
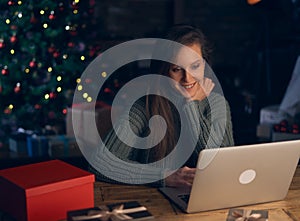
39	41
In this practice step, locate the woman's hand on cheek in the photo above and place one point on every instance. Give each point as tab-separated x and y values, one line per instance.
206	85
183	177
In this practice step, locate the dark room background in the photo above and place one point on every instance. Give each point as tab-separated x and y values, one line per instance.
254	46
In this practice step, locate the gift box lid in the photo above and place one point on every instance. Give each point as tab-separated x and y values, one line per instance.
44	177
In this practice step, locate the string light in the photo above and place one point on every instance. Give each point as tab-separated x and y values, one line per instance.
85	95
30	71
104	74
47	96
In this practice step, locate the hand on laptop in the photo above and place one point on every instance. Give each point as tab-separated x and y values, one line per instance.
183	177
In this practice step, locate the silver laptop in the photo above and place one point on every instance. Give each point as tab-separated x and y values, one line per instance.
239	175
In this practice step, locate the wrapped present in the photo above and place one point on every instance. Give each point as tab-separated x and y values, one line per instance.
270	115
37	145
285	131
75	113
62	145
113	212
84	115
247	215
90	122
45	191
18	143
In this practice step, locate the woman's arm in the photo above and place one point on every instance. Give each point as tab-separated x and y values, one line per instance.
118	160
210	121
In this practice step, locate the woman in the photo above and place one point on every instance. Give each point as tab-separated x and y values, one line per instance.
195	113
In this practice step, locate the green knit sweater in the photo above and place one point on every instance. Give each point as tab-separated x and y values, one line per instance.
207	125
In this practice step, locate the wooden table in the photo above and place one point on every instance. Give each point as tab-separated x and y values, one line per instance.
163	209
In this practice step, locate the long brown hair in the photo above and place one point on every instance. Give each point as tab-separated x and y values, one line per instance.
158	105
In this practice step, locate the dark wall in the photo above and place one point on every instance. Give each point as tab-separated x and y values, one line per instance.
254	46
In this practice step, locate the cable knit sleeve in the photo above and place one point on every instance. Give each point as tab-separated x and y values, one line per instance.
123	161
210	122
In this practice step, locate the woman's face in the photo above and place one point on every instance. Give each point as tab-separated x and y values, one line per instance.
189	70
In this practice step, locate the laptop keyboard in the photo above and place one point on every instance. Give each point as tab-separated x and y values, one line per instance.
184	197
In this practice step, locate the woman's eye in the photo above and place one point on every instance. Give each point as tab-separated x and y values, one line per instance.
195	66
176	69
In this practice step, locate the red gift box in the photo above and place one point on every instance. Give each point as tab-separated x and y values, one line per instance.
45	191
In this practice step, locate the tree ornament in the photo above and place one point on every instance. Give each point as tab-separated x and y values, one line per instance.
17	88
33	19
32	63
13	27
5	71
37	106
51	49
92	52
73	32
51	16
61	6
10	3
56	54
81	46
7	111
52	95
71	44
51	115
65	111
2	44
75	5
107	90
13	39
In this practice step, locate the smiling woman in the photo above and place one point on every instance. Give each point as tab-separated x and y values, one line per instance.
190	73
197	112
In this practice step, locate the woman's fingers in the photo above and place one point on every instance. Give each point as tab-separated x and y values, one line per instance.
183	177
207	85
188	174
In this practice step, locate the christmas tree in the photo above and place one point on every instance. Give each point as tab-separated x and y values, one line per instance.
44	48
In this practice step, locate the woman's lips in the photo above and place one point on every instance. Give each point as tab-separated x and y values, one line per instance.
188	86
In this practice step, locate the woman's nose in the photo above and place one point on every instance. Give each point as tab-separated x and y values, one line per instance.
187	77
